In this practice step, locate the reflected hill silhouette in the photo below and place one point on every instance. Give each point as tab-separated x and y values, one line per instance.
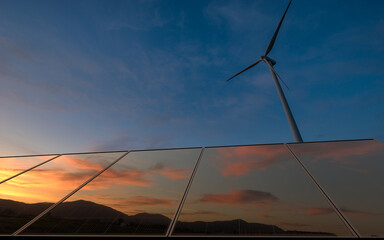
85	217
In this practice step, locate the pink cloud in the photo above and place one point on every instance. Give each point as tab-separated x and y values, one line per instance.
321	211
239	197
170	173
197	212
342	152
136	201
241	160
175	174
79	163
116	177
147	201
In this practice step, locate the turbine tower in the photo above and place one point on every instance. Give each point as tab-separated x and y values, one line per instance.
270	62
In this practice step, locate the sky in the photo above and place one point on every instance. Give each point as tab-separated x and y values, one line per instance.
80	76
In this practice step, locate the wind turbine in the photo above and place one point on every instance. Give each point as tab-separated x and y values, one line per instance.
270	62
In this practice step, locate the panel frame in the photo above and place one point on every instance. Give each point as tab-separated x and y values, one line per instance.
219	146
20	230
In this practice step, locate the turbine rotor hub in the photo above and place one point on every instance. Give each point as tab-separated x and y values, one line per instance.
270	60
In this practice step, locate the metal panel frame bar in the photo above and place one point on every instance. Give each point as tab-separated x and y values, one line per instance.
137	150
66	197
176	217
30	168
343	218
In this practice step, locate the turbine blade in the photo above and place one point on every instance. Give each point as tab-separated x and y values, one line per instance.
251	66
278	76
272	42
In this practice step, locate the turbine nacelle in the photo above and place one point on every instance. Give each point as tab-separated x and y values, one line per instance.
270	60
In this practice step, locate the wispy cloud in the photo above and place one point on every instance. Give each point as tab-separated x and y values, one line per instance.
356	213
240	197
345	155
240	15
242	160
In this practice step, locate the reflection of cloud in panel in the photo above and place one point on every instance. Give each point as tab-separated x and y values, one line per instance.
175	174
361	214
343	153
170	173
240	197
136	177
38	177
241	160
147	201
192	212
68	176
321	211
50	180
133	200
83	164
115	177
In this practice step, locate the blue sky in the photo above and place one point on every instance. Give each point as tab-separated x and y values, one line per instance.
113	75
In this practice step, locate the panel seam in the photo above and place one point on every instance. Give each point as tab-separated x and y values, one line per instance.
325	195
182	201
29	169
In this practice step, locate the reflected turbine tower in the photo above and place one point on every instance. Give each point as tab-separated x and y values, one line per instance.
270	62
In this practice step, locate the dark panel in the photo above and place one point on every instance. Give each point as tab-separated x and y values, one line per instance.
257	191
351	172
139	195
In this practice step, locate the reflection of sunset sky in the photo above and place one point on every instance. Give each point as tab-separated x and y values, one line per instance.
352	174
11	166
260	184
53	180
149	181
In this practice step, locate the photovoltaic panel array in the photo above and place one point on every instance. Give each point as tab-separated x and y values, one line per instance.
296	189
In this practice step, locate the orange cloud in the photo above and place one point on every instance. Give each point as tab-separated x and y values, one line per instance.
361	213
241	160
175	174
147	201
83	164
343	152
170	173
197	212
320	211
51	181
116	177
240	197
12	166
136	177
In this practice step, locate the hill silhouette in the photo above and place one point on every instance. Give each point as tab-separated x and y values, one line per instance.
85	217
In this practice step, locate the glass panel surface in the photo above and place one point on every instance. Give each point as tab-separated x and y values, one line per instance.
254	190
24	197
351	172
14	165
137	195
